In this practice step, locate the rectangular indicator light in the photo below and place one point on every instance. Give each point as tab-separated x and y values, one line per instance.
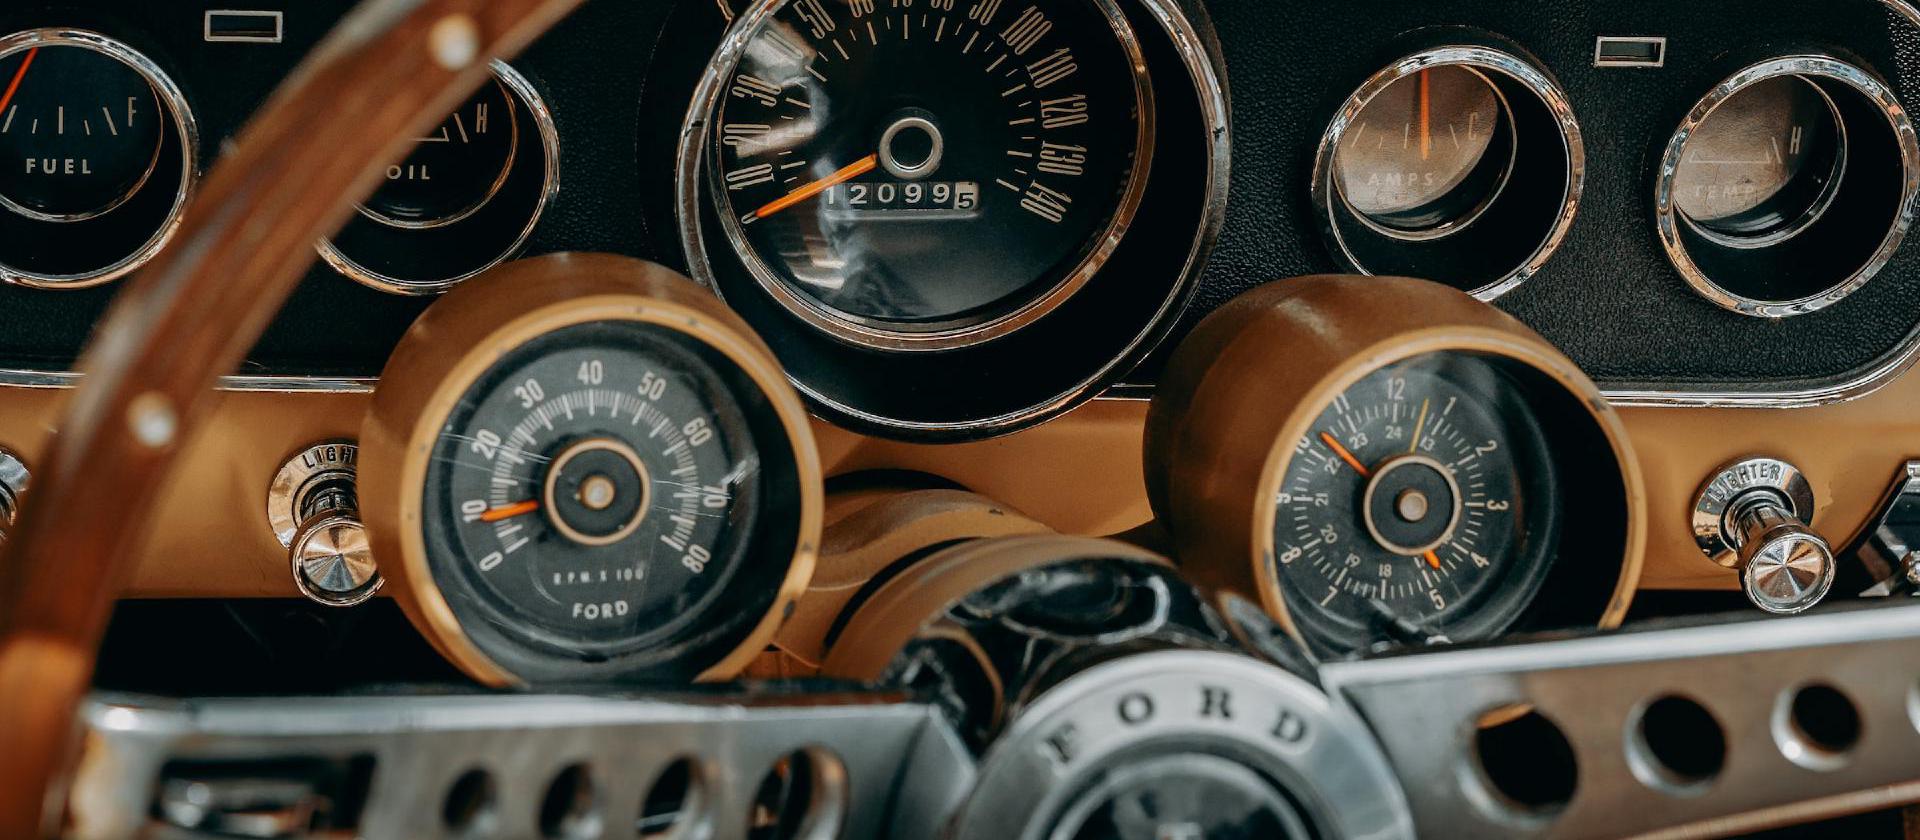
238	26
1615	51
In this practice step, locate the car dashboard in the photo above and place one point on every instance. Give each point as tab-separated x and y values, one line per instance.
1072	418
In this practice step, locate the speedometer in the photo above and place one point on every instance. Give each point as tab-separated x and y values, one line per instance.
919	177
583	471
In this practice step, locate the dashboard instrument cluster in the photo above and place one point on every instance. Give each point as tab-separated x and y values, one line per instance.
636	320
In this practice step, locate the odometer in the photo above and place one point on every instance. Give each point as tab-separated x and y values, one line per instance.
931	175
604	477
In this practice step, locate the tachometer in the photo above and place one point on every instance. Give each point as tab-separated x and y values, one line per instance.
590	474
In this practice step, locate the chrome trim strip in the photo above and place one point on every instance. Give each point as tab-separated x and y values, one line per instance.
1536	81
518	86
183	122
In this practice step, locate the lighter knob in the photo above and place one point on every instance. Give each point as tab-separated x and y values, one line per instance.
1751	516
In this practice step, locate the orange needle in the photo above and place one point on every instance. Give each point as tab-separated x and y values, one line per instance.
847	173
510	511
1426	116
1344	454
1432	558
13	87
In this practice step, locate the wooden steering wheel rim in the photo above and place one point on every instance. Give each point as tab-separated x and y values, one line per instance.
389	71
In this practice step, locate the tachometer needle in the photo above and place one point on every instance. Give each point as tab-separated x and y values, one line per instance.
847	173
510	511
13	87
1344	454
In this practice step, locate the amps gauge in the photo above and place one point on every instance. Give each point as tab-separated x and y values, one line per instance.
1391	461
583	469
1461	162
97	158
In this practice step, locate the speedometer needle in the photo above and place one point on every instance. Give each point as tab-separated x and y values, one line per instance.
847	173
1344	454
510	511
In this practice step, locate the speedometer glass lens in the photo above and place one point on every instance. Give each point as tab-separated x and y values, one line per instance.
1418	507
921	176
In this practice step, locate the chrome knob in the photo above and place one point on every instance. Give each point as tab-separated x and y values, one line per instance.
1752	516
315	512
13	484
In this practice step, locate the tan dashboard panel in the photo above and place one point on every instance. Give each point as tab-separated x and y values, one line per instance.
1080	474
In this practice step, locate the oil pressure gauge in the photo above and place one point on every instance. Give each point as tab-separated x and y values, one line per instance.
582	470
466	198
96	158
1440	473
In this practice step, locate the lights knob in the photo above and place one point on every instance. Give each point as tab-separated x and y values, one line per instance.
315	510
1752	516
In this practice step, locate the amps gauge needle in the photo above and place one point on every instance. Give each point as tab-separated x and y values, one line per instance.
1426	116
847	173
510	511
13	87
1344	454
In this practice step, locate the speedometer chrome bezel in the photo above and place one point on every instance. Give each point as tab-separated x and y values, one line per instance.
1218	451
460	343
699	140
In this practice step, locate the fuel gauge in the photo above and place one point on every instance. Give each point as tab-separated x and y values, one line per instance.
96	158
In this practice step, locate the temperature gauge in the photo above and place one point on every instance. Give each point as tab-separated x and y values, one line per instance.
1763	164
96	157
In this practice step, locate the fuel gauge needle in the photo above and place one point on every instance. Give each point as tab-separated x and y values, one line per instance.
13	86
510	511
847	173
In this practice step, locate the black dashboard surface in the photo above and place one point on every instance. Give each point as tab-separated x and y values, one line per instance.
618	76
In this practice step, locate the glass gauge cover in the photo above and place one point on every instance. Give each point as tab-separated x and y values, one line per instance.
455	168
80	132
1763	164
1420	507
917	177
1426	154
595	494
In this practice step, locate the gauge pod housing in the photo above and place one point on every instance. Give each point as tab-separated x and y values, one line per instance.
1443	472
582	469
